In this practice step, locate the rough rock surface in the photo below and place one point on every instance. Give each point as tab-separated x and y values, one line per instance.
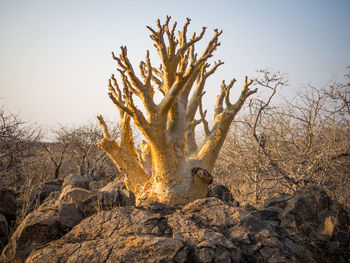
316	219
206	230
49	222
304	227
76	181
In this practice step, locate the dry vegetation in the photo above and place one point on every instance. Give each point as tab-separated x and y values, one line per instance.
278	147
273	147
27	161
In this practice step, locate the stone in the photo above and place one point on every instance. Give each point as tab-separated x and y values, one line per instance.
49	187
49	222
311	214
160	208
114	191
76	181
128	197
280	201
74	194
221	192
249	208
113	187
107	198
124	234
96	185
202	174
269	214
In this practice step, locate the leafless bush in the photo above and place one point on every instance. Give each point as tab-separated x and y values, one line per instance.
24	157
19	143
76	151
278	148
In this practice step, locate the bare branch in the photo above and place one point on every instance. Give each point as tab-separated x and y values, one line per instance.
203	115
213	69
116	96
158	38
171	37
185	45
219	107
129	69
227	93
104	127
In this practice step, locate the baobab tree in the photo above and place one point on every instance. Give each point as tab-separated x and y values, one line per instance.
165	168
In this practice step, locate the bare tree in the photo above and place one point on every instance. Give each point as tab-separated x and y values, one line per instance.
57	162
168	127
18	142
79	146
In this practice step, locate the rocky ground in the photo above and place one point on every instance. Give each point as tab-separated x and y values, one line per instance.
81	221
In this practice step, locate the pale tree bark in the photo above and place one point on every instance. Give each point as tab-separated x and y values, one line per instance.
163	169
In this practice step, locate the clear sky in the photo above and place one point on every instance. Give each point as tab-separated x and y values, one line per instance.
55	55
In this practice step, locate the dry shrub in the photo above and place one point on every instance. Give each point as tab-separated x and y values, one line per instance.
279	148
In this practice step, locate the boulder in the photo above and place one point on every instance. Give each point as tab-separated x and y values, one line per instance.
206	230
117	191
160	208
74	194
124	234
49	187
269	214
249	208
221	192
30	199
76	181
202	174
280	201
314	217
109	197
49	222
128	197
96	185
120	184
113	186
220	232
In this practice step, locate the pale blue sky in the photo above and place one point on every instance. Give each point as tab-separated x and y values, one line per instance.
55	55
